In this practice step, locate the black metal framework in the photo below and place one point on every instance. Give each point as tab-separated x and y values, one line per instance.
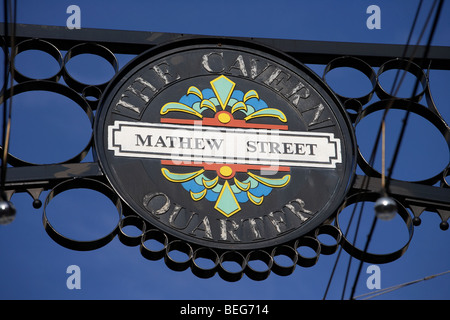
429	195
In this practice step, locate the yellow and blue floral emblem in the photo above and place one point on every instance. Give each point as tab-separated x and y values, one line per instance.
225	189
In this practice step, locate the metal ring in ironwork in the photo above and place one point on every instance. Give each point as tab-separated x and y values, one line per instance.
182	246
251	271
92	92
131	221
229	275
332	231
407	66
50	86
311	243
157	235
288	251
41	45
81	184
372	257
354	109
91	48
206	253
358	64
413	107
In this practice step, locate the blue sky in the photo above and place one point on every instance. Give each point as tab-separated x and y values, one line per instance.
33	266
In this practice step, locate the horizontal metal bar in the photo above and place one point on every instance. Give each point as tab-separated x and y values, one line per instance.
119	41
314	52
430	197
21	179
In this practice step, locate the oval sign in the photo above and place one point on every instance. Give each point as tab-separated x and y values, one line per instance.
225	144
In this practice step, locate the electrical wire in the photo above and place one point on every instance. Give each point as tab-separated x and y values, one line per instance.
408	112
366	179
394	91
377	293
405	121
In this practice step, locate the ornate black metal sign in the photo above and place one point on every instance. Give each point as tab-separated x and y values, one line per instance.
224	150
225	145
